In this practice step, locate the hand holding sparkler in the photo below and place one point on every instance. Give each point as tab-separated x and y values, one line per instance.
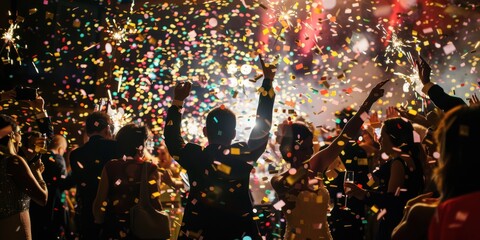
423	70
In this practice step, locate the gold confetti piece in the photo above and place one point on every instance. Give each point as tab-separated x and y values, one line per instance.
155	195
235	151
224	168
362	161
341	143
374	209
370	183
151	182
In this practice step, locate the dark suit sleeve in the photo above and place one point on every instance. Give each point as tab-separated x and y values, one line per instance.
72	177
442	100
113	152
257	142
173	138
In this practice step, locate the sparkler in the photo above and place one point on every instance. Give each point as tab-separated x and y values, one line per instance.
412	79
118	34
395	44
9	39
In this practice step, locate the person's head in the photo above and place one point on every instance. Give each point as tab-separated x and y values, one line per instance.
397	136
99	123
220	126
296	142
10	137
458	138
58	145
131	140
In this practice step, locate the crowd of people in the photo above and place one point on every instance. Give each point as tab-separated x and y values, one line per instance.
407	176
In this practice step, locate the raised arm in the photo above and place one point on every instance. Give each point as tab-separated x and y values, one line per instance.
173	138
436	93
322	159
259	136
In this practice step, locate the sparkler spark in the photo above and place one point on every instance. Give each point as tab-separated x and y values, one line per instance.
117	34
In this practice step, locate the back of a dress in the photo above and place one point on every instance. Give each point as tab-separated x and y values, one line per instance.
308	219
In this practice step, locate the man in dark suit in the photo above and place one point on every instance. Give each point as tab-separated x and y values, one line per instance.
87	164
49	221
219	203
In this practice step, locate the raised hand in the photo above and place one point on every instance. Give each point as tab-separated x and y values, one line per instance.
374	120
269	69
423	70
376	93
473	100
182	90
392	112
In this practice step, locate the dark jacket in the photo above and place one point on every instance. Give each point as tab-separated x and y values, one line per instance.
87	164
442	100
219	204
